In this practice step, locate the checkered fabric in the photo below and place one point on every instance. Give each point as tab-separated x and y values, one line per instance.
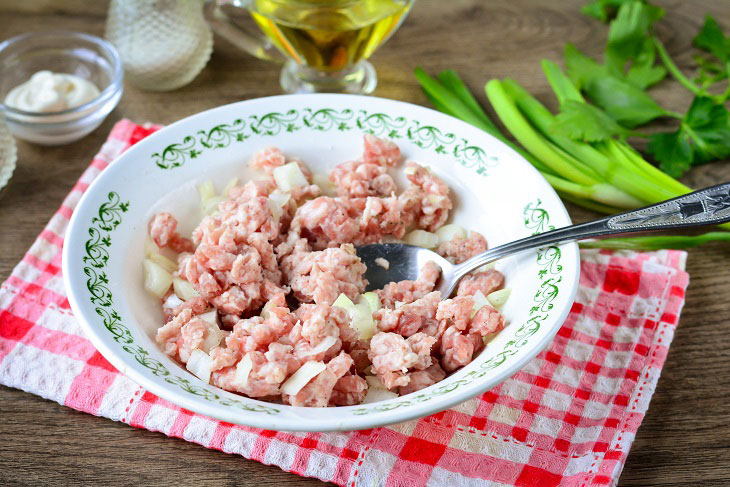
568	418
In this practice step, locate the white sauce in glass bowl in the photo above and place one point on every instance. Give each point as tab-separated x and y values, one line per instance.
47	92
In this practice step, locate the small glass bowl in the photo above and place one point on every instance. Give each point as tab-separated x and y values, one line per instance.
8	154
84	55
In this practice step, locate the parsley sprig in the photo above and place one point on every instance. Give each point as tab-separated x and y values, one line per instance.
703	134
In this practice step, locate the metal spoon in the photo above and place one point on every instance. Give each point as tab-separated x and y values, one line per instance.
709	206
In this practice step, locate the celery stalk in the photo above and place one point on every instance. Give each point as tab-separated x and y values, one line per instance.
589	204
451	81
562	86
651	171
656	243
612	171
538	146
445	98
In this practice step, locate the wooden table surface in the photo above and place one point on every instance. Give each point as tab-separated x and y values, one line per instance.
685	438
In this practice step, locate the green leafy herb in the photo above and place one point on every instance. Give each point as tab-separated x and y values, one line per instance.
603	10
644	72
703	136
628	33
580	67
627	104
581	121
711	39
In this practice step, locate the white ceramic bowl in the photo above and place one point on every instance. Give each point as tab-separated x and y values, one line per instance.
497	193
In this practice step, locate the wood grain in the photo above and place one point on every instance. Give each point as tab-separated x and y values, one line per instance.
685	438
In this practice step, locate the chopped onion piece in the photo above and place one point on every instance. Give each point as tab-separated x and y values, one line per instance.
301	377
325	184
449	232
377	395
398	304
206	190
487	267
212	339
265	310
150	247
280	198
229	185
362	321
156	279
422	238
163	262
361	316
276	210
489	337
184	289
322	346
382	263
172	301
199	365
243	370
498	298
374	382
215	335
479	300
372	300
343	302
289	176
435	199
210	316
210	205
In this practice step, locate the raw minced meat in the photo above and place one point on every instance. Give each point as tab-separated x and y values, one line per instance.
459	249
322	276
267	268
358	179
486	282
409	291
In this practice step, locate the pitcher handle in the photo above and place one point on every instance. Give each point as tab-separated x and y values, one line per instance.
254	43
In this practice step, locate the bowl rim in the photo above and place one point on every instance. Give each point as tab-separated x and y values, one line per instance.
115	83
335	422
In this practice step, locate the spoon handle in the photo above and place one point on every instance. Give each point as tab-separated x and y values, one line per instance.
709	206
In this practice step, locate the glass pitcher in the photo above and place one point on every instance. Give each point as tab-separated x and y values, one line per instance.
323	44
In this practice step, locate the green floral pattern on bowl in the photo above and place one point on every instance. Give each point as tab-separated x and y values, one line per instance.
326	119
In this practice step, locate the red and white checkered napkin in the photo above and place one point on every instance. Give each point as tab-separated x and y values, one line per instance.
567	418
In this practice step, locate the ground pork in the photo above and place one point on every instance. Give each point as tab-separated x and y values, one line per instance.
393	356
411	318
271	267
486	281
183	334
358	179
326	222
461	331
318	391
380	151
322	276
428	197
459	249
348	391
162	231
409	291
420	379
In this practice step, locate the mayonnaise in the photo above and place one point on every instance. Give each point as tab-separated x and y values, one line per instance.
51	92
